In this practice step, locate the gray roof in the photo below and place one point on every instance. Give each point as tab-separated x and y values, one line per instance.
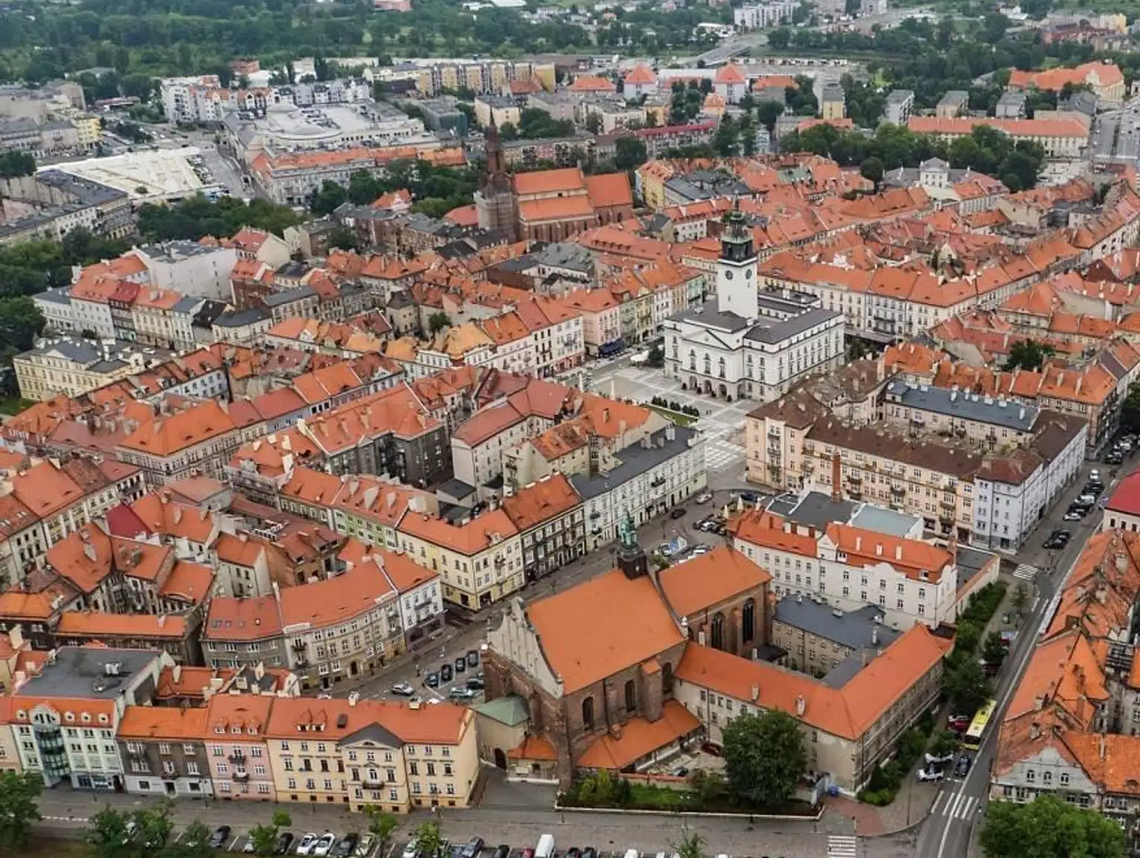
510	710
819	510
897	96
189	304
883	520
954	96
376	733
242	317
852	630
99	355
58	295
770	330
635	460
849	668
81	672
963	405
970	561
287	296
708	316
565	255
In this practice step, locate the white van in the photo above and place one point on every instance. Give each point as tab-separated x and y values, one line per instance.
545	848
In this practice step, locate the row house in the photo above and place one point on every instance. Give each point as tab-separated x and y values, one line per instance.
332	629
551	521
601	320
197	440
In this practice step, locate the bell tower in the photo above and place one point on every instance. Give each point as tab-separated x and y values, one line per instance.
495	200
736	268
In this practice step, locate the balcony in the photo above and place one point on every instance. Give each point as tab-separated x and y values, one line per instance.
947	505
237	758
298	646
898	489
241	775
774	433
854	478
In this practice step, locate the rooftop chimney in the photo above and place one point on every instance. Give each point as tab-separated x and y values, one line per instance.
836	470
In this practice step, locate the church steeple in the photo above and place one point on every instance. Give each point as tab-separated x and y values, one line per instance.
495	175
736	268
736	239
630	555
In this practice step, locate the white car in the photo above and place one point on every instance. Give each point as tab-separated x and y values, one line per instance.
704	497
410	849
932	760
324	846
930	774
1071	516
305	847
364	846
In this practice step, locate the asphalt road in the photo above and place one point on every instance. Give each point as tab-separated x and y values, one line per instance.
958	810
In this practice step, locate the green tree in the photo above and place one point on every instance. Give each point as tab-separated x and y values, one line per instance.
343	238
264	837
1048	827
690	846
19	794
382	825
429	842
1020	598
780	38
767	112
1130	410
630	153
857	350
1027	354
966	686
656	357
194	843
708	787
872	170
508	131
20	323
363	188
764	757
108	834
993	649
944	742
438	321
327	198
14	164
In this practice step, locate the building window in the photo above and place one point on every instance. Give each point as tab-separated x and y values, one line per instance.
667	678
588	713
630	696
748	621
718	631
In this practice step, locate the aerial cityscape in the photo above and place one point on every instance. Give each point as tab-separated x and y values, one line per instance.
691	429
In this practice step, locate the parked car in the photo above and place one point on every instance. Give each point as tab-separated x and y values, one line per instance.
475	683
573	852
365	845
680	772
958	722
283	843
474	847
502	851
457	693
472	658
324	844
410	849
403	689
749	497
305	847
1072	515
460	664
445	673
589	852
962	767
1087	498
704	497
219	837
432	680
712	749
346	846
930	774
677	512
932	760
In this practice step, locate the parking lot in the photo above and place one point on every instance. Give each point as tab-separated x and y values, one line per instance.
364	847
440	676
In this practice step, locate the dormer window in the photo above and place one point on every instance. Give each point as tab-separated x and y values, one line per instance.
86	718
103	719
68	717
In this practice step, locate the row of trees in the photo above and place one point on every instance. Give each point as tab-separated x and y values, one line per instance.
984	150
196	216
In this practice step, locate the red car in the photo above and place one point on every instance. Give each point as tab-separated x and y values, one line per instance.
958	723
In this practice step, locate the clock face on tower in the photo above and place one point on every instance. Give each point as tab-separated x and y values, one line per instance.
728	275
748	273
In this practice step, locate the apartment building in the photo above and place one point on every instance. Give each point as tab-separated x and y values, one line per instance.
645	479
1060	138
367	752
847	567
479	559
601	320
66	715
818	638
243	633
238	750
550	519
197	440
72	366
163	751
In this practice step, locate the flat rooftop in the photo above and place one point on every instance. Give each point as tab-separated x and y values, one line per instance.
163	174
81	672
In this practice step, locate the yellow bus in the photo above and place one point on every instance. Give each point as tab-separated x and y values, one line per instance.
977	730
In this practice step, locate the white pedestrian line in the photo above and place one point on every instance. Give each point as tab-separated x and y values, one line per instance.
76	819
956	805
1025	572
1036	602
842	846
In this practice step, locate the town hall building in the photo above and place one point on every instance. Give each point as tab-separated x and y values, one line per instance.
750	343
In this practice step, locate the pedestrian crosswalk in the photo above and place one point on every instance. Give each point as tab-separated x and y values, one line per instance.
1025	572
842	846
954	805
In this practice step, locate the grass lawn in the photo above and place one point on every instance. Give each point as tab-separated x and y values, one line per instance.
676	417
658	797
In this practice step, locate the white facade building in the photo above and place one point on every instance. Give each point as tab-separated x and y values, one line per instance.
666	469
750	343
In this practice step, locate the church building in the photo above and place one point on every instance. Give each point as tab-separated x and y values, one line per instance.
750	343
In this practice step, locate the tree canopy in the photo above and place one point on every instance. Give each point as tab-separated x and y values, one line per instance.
19	794
764	757
1027	354
1048	827
197	216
